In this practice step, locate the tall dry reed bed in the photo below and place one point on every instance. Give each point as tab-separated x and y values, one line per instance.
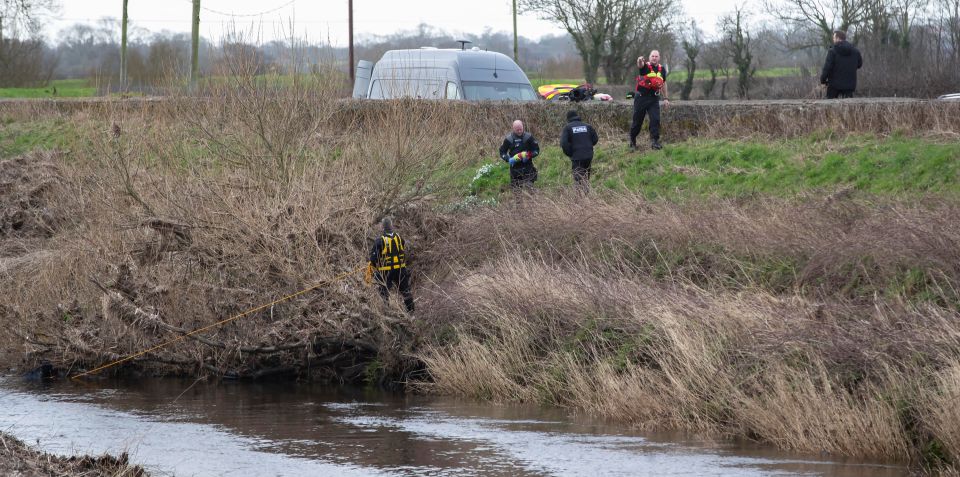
785	322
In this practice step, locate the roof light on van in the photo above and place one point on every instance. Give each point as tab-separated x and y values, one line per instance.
476	48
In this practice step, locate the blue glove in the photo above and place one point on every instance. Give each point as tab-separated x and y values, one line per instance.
512	161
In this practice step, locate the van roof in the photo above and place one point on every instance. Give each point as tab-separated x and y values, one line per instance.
472	65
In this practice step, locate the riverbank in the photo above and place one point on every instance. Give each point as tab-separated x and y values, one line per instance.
19	460
801	291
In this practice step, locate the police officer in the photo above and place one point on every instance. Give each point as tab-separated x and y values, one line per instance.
651	88
518	149
577	141
388	264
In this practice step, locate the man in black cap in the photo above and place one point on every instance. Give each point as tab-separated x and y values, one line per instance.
577	141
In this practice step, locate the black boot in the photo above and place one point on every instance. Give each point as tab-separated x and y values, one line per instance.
655	145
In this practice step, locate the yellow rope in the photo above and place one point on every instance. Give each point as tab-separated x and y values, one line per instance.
205	328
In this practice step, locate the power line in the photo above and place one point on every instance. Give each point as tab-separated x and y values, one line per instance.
239	15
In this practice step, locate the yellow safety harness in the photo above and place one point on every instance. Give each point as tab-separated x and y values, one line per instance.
392	256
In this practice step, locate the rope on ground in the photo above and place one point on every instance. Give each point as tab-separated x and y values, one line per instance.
214	325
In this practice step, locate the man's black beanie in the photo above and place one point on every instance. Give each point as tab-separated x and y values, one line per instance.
571	115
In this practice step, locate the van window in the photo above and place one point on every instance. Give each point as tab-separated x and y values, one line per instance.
452	90
479	90
400	88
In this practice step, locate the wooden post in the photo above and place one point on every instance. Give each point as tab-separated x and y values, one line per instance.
123	49
516	56
195	53
350	29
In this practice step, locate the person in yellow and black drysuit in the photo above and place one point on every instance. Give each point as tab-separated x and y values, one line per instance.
388	264
651	89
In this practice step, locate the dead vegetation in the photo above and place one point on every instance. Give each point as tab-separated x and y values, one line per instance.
18	460
820	324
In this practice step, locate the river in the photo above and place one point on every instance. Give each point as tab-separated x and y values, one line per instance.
190	428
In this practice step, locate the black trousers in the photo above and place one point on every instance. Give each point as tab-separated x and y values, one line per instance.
838	93
522	179
581	174
641	106
399	278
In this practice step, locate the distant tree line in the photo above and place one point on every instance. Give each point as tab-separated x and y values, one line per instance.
910	47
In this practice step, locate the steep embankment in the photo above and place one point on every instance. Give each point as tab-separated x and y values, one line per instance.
798	291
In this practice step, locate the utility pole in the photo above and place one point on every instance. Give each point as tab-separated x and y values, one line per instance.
195	53
516	56
350	29
123	50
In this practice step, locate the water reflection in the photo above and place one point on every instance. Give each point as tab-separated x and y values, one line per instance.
198	428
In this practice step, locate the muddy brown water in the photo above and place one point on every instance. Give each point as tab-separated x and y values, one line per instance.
188	428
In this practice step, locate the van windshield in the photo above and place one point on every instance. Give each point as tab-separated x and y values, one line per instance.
480	90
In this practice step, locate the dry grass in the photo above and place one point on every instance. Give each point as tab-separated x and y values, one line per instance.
18	459
820	324
662	314
197	210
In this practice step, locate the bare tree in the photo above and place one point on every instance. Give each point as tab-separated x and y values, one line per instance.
635	24
950	10
821	16
905	15
22	17
736	40
715	59
587	22
607	32
692	42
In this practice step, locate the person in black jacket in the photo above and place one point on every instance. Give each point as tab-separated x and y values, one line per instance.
577	141
518	149
650	90
388	263
839	73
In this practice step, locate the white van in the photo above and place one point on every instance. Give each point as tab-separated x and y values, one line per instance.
431	73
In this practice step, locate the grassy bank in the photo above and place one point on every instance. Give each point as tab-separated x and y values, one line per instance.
893	165
796	289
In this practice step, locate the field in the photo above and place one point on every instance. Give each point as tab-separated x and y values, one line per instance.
786	273
71	88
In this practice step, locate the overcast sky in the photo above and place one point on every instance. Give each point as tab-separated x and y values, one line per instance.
322	20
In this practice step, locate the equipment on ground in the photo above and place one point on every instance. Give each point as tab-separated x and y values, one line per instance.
571	92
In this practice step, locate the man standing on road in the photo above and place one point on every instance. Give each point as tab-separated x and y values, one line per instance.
577	141
651	88
518	149
839	73
388	264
